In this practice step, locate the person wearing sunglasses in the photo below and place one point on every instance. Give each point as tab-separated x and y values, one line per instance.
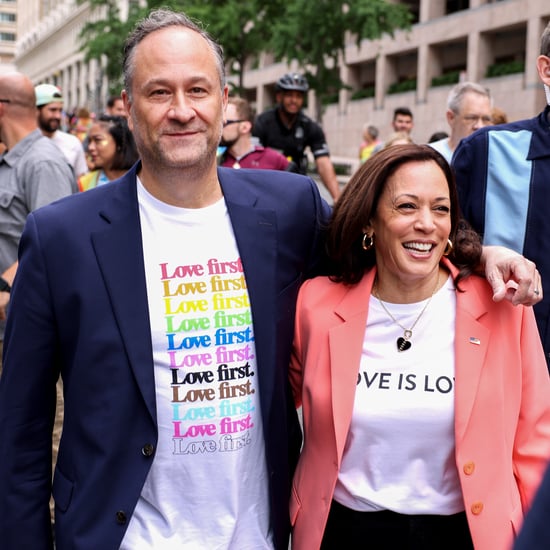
240	151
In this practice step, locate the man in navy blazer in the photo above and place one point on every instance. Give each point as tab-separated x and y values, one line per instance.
83	307
80	310
535	532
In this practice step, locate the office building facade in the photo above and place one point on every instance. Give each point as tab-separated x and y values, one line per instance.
493	42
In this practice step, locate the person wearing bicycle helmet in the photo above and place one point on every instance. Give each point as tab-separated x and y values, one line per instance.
287	129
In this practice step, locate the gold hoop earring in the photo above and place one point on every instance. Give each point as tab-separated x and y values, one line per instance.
368	242
448	248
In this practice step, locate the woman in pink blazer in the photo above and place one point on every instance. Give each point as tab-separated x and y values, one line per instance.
426	405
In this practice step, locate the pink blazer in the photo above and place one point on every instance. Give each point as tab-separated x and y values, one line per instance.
502	405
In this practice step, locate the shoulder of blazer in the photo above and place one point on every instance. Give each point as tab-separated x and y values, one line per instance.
323	294
115	200
476	298
240	185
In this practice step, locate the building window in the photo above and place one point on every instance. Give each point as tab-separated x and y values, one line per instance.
414	8
457	5
10	17
7	37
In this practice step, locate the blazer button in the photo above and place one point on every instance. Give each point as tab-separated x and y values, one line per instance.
147	449
477	508
469	468
121	517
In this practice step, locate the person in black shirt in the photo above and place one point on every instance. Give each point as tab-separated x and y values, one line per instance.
287	129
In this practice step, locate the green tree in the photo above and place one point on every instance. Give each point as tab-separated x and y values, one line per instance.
103	36
243	28
313	33
316	34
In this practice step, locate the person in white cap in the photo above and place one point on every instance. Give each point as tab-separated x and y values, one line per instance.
49	102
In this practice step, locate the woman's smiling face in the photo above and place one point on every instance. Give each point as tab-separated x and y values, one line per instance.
412	224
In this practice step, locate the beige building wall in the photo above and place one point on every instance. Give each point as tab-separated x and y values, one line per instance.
49	50
466	42
471	40
8	34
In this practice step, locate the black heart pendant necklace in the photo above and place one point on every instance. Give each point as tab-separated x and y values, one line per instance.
404	342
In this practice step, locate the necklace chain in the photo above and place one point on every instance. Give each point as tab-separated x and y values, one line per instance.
403	343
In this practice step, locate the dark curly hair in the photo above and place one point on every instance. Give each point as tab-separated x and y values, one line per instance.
126	151
348	261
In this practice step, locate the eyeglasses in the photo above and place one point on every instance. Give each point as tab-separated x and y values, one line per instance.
228	122
472	119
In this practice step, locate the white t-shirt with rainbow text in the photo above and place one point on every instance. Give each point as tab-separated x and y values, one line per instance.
207	487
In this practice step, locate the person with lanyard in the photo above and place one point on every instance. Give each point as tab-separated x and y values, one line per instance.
286	128
426	404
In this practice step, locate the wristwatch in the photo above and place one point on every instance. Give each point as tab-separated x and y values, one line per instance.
4	285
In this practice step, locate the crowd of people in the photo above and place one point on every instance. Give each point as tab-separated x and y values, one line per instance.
173	283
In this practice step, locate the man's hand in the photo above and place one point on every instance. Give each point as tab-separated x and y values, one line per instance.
511	276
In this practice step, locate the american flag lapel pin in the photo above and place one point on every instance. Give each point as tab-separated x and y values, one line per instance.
474	340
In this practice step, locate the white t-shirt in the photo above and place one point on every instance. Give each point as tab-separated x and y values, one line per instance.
442	146
208	486
400	451
72	149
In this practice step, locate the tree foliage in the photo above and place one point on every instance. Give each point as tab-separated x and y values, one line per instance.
313	33
316	33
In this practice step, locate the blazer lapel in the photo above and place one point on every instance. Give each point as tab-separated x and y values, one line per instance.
346	340
255	231
471	345
346	346
119	252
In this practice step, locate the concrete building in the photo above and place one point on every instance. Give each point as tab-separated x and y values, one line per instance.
450	40
49	50
494	42
8	33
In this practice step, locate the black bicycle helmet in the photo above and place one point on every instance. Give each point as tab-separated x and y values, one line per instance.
293	81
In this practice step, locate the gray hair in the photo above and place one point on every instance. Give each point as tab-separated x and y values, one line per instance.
372	130
545	41
161	19
456	95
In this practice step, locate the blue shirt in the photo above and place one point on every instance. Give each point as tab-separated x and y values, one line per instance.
503	179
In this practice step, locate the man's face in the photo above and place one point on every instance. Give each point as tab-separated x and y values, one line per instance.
474	113
232	127
49	117
402	123
176	104
118	108
291	101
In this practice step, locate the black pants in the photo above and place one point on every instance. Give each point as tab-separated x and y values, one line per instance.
351	530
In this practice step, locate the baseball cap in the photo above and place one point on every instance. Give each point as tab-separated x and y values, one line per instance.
47	93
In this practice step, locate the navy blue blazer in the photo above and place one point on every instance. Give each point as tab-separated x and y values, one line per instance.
535	533
79	309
